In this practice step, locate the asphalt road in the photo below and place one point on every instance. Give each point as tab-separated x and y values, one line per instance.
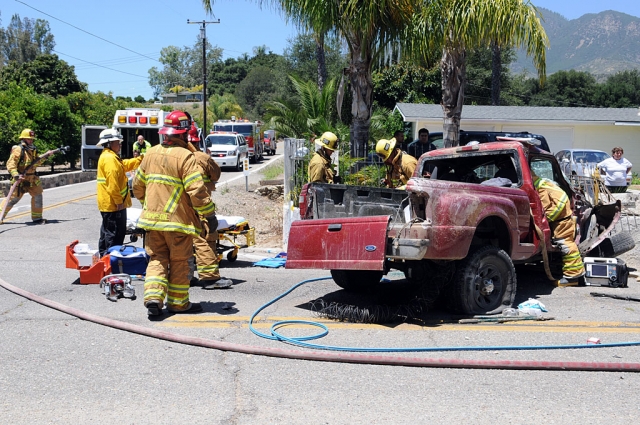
56	368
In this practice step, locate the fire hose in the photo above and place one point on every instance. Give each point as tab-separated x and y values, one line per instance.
341	357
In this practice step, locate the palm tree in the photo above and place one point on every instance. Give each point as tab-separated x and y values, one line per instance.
459	25
368	27
313	113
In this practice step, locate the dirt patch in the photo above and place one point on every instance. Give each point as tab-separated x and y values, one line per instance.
264	213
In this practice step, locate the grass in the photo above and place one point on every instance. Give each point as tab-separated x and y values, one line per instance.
273	171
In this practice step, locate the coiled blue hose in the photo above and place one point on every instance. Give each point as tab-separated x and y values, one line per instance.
301	341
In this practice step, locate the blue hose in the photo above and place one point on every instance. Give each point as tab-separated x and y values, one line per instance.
301	341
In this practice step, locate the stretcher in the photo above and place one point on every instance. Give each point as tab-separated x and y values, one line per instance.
230	228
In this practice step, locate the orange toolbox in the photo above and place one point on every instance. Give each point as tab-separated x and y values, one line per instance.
92	269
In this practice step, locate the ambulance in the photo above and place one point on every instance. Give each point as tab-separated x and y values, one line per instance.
251	130
130	122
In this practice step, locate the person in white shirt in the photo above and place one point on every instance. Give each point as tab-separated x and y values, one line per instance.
615	171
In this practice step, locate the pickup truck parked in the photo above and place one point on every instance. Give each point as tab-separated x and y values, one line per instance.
462	223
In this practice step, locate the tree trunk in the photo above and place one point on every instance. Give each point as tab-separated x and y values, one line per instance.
496	67
362	92
453	66
320	56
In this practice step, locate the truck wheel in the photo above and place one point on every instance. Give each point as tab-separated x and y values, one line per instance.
484	282
356	280
616	244
239	165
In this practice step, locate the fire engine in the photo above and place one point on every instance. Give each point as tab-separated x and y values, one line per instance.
251	132
131	123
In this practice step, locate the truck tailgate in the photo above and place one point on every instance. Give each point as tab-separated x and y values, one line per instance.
356	243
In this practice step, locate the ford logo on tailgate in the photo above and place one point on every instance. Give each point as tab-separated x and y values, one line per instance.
370	248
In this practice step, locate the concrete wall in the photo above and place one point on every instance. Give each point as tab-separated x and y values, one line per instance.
55	180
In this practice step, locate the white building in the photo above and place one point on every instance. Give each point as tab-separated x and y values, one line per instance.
564	128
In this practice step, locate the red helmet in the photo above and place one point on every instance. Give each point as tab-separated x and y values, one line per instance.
177	122
193	134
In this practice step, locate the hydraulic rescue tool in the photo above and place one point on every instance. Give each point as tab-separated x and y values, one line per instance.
27	169
116	286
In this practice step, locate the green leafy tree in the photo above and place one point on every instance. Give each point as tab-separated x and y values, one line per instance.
46	74
23	40
50	118
225	76
255	89
480	85
139	99
302	57
565	88
405	82
621	90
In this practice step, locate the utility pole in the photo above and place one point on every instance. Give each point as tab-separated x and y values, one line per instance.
203	37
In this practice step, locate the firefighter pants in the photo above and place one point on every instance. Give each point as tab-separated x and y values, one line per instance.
168	269
564	233
113	230
32	188
206	253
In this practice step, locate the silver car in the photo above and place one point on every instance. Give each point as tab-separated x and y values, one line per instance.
582	162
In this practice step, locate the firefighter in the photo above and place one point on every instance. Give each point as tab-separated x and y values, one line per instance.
320	169
207	260
113	190
22	156
140	146
169	185
400	165
557	208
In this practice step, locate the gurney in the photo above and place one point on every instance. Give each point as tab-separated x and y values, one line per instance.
230	228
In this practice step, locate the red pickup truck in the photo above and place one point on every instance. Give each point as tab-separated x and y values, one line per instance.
462	222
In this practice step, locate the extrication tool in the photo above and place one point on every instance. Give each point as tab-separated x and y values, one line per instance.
116	286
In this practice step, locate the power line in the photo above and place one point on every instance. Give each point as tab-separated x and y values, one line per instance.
101	66
87	32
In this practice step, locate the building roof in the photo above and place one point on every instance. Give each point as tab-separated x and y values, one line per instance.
418	111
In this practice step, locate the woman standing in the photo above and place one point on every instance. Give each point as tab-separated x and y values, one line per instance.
615	171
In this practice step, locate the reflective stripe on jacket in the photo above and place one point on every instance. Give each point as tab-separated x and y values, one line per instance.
113	184
554	200
170	186
15	166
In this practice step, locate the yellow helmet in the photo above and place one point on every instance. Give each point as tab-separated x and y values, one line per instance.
385	147
27	134
328	140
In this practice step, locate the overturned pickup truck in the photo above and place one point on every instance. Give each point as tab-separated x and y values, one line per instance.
476	217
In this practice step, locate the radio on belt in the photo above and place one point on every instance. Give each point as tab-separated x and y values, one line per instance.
605	272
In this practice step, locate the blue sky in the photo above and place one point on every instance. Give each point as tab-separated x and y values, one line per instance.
143	28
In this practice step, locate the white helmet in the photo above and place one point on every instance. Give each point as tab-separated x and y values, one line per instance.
109	135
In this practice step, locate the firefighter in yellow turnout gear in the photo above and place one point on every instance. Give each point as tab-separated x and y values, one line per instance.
320	169
170	186
113	190
23	156
205	244
557	207
400	165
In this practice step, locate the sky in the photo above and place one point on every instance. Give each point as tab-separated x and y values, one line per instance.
113	44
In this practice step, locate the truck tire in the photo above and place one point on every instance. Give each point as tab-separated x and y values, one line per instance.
484	282
356	280
616	244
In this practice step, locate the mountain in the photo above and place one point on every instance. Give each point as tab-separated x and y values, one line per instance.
602	43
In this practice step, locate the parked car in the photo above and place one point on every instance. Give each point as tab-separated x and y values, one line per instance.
582	162
487	136
228	149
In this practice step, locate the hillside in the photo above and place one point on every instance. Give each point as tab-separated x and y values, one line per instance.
602	43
